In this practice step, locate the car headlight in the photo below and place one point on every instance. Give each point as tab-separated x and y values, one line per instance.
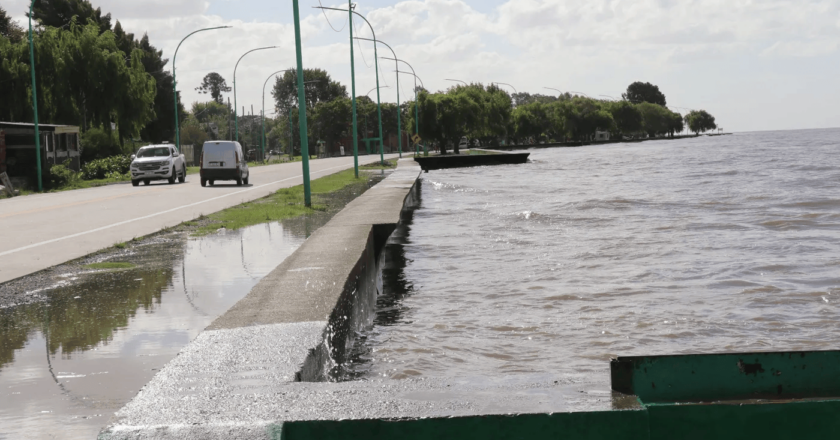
167	162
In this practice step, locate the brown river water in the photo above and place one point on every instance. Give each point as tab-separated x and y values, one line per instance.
707	245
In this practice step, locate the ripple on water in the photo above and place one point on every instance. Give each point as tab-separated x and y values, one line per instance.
584	254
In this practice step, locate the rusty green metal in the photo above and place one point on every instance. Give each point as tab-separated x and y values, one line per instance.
780	395
626	425
714	377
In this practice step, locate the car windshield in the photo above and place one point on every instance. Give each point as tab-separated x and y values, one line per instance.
153	152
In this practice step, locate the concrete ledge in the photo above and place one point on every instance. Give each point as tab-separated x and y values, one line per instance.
295	325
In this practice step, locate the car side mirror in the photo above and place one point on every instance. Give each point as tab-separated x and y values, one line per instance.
133	157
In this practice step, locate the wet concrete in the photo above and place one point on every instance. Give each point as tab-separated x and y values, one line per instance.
78	344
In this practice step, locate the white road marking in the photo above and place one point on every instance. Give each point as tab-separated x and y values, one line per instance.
157	214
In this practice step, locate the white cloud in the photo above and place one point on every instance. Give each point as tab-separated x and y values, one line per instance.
594	46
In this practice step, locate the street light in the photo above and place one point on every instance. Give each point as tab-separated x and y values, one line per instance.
399	114
416	103
175	83
235	110
506	84
375	66
304	139
608	96
35	99
580	93
262	139
366	120
457	80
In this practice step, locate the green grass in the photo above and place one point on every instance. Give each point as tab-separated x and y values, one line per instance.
120	245
284	204
110	266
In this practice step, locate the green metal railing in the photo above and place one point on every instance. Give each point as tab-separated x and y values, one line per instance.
782	395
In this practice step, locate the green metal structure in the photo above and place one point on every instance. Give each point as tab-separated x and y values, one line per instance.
304	139
175	84
782	395
235	111
35	99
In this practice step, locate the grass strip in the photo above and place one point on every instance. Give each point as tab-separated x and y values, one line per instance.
286	203
110	266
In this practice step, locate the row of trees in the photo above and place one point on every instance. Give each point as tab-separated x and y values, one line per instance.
489	114
88	73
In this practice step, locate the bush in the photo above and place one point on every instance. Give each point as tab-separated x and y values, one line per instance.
115	168
60	175
97	143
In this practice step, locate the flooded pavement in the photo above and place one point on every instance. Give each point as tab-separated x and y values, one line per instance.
88	341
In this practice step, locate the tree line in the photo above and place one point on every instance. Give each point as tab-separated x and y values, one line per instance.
89	73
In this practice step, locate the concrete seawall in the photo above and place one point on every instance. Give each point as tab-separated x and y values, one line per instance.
295	325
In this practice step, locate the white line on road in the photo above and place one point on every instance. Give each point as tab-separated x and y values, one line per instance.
156	214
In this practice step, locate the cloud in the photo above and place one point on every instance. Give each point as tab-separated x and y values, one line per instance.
594	46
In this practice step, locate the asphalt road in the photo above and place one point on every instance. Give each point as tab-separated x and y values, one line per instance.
43	230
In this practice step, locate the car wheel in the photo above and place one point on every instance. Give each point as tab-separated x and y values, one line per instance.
135	183
212	182
203	182
183	177
238	182
172	178
146	182
245	180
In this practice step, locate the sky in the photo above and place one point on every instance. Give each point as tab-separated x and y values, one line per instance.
753	64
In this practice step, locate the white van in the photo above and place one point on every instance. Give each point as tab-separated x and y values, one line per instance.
223	160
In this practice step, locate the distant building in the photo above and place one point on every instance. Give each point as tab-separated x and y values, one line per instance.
59	145
602	135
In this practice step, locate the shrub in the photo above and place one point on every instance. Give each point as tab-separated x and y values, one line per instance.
60	175
97	143
114	167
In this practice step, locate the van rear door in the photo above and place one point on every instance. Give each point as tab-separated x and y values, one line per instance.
219	155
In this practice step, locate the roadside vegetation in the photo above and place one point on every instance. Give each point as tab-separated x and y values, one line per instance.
286	203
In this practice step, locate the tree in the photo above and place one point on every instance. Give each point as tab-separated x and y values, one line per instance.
628	118
700	121
58	13
332	119
213	84
9	29
320	88
657	120
639	92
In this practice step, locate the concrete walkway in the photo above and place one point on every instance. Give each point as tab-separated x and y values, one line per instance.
43	230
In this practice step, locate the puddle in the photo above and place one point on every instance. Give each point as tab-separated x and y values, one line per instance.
68	363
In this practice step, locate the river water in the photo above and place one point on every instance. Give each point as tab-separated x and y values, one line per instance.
704	245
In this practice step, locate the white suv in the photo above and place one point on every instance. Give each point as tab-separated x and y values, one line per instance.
157	162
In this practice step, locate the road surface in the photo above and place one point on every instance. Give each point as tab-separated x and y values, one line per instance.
43	230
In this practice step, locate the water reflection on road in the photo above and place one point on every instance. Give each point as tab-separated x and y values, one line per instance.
68	364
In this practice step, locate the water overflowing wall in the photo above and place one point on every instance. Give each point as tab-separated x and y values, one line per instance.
357	305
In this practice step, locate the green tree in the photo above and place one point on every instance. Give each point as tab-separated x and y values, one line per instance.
214	84
332	120
628	118
700	121
320	88
657	120
58	13
639	92
9	29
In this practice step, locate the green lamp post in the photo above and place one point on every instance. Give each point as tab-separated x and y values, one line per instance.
235	111
35	99
262	139
175	83
399	114
416	103
304	139
376	67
